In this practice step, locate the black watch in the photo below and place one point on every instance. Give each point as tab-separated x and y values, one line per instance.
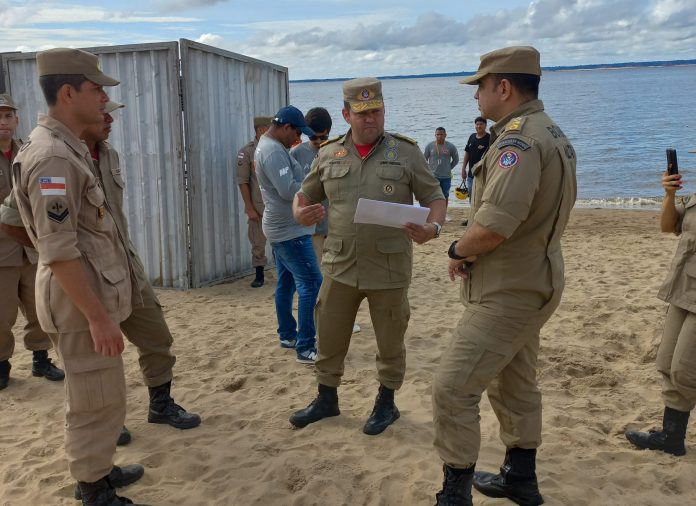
451	253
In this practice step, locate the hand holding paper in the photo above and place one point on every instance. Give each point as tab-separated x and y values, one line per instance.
389	214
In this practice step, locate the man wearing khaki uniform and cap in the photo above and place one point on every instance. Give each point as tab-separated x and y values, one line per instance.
511	266
253	202
85	282
360	260
18	270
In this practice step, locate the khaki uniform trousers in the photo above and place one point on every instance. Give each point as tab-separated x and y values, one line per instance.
95	405
676	359
258	244
147	329
334	313
494	353
17	292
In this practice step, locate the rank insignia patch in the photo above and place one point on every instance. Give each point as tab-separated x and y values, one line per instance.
57	212
388	189
52	185
508	160
391	154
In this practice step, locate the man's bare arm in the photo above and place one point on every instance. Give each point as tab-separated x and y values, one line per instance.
18	234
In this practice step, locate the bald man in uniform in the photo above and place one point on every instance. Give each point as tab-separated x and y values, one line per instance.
253	202
511	266
361	260
18	270
85	282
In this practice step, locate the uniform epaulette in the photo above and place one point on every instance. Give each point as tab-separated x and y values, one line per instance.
515	124
329	141
404	138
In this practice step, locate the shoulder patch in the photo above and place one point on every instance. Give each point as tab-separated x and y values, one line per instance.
514	142
515	124
404	138
329	141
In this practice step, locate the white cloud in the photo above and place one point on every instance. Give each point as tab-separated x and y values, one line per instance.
210	38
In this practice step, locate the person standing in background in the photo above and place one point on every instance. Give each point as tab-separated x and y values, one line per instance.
442	158
253	203
474	150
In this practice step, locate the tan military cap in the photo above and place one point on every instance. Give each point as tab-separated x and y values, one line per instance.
363	94
6	101
111	106
262	121
508	60
72	62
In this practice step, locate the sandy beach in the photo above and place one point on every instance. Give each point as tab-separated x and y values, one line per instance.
597	376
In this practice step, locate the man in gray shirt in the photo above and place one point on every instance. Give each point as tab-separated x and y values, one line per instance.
280	178
442	157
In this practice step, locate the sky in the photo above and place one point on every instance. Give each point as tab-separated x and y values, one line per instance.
343	38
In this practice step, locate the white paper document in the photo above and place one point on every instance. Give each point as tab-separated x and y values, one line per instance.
389	214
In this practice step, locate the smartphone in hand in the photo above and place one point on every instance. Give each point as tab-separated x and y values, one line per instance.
672	166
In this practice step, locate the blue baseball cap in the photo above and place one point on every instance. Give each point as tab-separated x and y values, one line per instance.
291	115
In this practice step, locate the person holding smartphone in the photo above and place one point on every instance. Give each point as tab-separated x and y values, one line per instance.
676	356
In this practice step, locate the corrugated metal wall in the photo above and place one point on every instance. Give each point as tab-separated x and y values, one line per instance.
223	91
148	137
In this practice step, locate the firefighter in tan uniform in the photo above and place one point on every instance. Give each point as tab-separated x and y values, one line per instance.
18	270
365	261
511	266
251	195
85	284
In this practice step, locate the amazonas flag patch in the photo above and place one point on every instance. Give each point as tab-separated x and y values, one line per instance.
52	185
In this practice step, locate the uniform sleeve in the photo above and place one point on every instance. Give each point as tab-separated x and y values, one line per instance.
455	155
312	186
9	213
423	184
277	168
55	194
467	148
512	182
245	159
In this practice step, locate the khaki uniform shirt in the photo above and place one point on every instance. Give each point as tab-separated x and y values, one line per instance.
680	286
524	190
361	255
64	210
11	252
247	174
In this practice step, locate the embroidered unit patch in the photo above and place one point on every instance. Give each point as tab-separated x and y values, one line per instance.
388	189
508	160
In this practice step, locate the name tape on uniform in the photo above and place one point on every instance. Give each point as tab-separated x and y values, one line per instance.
52	185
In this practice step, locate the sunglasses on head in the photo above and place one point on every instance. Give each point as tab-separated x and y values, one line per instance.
319	137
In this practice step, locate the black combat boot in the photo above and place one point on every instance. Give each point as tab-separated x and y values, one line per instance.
517	479
119	477
124	437
258	280
383	414
5	367
324	406
42	366
163	409
456	488
101	493
670	439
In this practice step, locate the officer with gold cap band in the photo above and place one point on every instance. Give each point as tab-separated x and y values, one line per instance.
18	270
363	260
85	280
511	266
251	195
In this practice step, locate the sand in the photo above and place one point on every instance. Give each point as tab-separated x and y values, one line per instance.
597	377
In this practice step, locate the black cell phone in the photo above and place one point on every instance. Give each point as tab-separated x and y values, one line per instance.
672	165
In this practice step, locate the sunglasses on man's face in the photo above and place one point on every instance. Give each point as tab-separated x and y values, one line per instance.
319	138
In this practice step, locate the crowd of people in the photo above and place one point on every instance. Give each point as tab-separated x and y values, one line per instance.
64	232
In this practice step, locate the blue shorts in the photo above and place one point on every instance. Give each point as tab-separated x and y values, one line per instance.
445	184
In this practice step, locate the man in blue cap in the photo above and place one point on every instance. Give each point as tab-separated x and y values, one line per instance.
280	178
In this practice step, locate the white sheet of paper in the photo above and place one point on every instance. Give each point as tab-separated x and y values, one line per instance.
389	214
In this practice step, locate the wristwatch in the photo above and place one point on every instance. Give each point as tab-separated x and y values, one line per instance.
451	253
438	228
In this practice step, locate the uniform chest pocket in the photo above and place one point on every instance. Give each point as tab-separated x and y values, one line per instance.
390	172
118	178
96	210
335	181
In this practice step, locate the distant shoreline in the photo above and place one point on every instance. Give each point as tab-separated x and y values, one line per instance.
563	68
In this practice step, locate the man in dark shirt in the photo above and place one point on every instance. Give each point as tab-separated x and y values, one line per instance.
475	148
